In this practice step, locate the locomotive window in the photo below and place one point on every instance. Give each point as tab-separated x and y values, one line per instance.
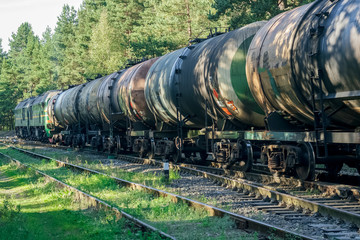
31	113
23	114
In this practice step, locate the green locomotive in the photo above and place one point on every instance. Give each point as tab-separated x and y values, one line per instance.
32	119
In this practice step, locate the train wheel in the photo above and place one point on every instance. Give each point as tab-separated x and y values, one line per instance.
358	168
74	142
68	140
334	168
141	154
83	141
176	157
151	153
191	157
246	157
305	170
99	143
203	156
118	149
108	145
93	143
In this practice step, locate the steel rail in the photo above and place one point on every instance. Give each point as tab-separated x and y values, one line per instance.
343	191
260	190
265	191
242	222
347	184
96	202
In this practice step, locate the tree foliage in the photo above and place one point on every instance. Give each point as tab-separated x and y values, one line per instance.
242	12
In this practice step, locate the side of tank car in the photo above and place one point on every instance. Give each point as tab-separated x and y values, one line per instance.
198	89
303	69
103	112
79	112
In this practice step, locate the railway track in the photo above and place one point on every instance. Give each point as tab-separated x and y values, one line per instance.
241	221
259	173
96	202
286	184
327	206
344	177
341	202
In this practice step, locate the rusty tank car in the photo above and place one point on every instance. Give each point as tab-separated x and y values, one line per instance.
99	112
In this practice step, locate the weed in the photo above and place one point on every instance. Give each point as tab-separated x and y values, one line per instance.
9	211
259	216
174	175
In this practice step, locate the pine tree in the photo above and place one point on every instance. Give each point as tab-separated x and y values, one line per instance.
46	64
22	44
123	17
168	25
19	40
242	12
103	52
2	54
10	93
67	69
88	18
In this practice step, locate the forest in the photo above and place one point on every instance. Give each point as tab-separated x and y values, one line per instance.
103	36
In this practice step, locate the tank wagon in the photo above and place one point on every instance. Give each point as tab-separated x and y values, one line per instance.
201	88
105	112
283	93
303	69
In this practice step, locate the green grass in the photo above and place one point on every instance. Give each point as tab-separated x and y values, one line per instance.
149	179
177	219
33	208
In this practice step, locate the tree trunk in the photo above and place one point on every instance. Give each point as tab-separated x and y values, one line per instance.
187	5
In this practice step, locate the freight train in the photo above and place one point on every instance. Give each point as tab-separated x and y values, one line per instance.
284	93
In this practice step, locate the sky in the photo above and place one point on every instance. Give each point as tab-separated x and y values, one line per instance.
39	13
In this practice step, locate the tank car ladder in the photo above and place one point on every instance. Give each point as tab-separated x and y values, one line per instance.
181	120
321	119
